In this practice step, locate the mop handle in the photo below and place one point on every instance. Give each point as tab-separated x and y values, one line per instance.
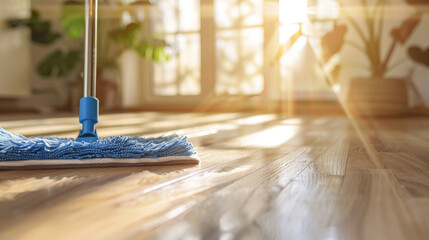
90	72
88	107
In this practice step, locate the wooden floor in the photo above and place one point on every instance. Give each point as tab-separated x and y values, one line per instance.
261	177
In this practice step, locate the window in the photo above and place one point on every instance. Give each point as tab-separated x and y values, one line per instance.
226	49
179	23
239	47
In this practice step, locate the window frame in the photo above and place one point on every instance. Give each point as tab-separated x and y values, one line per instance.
271	93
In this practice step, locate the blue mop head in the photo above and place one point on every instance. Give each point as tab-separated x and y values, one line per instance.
17	151
17	147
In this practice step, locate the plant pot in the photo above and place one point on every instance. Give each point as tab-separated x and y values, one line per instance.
377	97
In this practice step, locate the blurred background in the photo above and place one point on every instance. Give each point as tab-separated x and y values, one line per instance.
287	56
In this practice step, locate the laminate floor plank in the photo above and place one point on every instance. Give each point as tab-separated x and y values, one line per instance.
406	165
334	160
423	204
360	159
124	119
26	127
372	205
413	174
134	127
365	146
304	208
218	216
402	142
394	146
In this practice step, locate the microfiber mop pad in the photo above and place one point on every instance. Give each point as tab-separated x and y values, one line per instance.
17	151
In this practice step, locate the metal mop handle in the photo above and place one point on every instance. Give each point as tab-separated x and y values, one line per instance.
88	108
90	48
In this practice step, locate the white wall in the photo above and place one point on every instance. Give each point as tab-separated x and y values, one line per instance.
14	51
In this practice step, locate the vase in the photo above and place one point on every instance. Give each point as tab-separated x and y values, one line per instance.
377	97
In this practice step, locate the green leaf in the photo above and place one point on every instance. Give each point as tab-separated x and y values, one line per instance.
14	23
151	52
59	64
143	48
159	54
35	14
41	31
73	19
126	36
46	67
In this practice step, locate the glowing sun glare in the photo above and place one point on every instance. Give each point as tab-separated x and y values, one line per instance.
292	11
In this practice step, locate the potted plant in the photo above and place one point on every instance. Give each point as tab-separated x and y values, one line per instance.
66	62
377	94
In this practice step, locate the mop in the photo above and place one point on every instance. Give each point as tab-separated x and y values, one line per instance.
87	150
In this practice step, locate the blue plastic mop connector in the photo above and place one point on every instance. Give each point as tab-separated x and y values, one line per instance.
88	117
